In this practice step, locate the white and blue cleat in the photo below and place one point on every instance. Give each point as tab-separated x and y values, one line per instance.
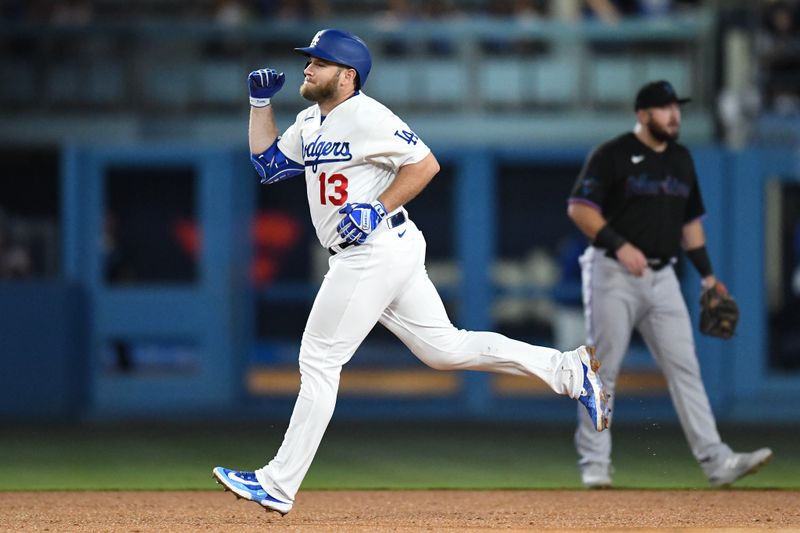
245	485
593	397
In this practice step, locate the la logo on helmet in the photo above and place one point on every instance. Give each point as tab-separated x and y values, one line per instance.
315	40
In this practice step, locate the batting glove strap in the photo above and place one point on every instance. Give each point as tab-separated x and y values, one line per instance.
379	209
259	102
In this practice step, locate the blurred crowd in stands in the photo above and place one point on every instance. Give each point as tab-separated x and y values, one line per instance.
778	50
81	12
773	24
16	261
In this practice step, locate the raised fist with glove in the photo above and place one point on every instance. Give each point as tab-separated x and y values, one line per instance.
263	84
360	220
719	313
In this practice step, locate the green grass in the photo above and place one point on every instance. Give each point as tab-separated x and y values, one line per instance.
368	456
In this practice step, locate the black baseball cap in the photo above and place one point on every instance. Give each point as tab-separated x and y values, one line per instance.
657	94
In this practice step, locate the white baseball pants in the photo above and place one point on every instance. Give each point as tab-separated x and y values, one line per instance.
385	281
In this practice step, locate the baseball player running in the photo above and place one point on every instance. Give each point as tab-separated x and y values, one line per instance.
638	200
362	164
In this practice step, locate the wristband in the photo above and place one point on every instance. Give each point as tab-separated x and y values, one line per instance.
609	239
701	261
259	102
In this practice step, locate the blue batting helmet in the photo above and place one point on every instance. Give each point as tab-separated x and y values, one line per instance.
342	48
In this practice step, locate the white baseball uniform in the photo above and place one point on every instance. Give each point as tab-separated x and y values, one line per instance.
352	155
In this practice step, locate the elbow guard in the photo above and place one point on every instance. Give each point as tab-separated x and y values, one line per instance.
273	166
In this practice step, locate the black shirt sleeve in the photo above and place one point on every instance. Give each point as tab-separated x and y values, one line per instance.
594	180
694	203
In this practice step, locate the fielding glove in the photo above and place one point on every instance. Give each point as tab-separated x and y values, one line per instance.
719	313
263	84
360	220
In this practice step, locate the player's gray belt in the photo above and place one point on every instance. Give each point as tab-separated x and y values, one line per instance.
393	221
655	263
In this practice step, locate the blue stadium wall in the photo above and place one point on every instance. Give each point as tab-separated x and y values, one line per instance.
59	332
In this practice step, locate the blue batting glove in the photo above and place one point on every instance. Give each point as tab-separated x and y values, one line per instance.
264	83
360	220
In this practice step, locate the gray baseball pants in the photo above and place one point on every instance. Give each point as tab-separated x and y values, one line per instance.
615	302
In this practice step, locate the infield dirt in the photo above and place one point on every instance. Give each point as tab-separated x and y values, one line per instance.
404	511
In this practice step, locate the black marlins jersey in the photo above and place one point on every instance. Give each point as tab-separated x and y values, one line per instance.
646	196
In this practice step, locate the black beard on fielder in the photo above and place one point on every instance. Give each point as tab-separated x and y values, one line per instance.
662	135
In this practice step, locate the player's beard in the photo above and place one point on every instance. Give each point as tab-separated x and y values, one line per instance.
661	134
322	92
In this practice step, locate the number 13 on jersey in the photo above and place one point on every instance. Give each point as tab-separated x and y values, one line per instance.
338	196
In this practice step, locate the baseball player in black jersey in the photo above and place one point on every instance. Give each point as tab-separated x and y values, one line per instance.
638	200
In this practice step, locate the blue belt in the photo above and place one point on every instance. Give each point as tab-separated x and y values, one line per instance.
393	221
